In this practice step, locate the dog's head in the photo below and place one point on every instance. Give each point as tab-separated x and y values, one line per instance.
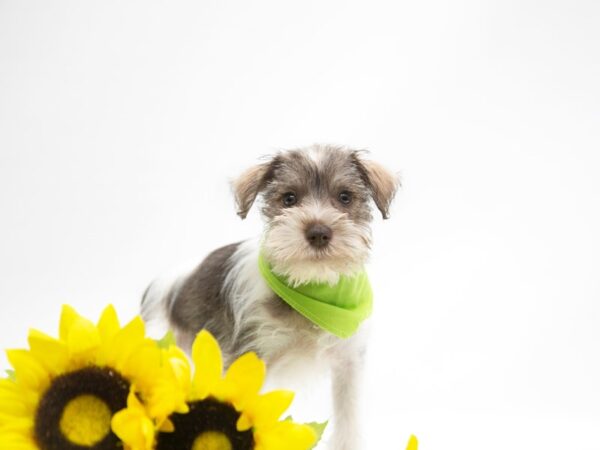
317	208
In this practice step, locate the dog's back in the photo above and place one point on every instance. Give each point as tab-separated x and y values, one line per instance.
192	298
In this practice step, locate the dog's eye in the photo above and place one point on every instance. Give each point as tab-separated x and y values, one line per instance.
289	199
345	197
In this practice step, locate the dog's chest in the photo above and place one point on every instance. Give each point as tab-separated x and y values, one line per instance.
284	334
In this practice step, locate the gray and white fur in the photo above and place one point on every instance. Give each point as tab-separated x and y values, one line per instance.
316	205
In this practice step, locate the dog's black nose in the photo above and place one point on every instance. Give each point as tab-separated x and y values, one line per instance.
318	235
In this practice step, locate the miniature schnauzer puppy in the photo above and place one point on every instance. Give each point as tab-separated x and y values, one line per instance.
316	207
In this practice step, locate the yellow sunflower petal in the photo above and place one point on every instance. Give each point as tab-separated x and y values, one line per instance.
208	362
243	380
16	441
132	400
135	429
108	325
180	365
28	370
180	370
142	364
52	353
133	426
68	316
82	338
22	425
166	426
413	443
13	402
125	343
285	435
244	423
159	376
166	398
265	410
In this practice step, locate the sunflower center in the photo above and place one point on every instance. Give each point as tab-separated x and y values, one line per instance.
85	420
209	425
212	440
76	410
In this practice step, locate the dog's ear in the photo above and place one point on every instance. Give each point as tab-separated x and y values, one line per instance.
382	183
249	184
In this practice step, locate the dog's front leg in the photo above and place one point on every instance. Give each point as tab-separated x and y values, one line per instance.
347	374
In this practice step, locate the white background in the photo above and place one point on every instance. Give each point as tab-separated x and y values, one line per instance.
122	122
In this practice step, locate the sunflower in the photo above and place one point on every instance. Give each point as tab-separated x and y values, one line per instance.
65	392
228	412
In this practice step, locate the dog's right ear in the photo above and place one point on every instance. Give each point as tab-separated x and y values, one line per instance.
381	182
249	184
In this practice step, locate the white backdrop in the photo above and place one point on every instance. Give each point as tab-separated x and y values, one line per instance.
121	123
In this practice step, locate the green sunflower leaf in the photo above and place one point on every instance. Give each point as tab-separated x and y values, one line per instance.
167	340
10	374
319	429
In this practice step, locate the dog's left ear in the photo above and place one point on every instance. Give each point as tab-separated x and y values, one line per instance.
248	185
382	183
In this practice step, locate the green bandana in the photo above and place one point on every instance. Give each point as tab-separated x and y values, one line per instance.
339	309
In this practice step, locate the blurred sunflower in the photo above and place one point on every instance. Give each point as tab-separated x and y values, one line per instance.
65	392
413	443
228	413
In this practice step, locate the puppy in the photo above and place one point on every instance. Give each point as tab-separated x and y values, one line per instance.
316	205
